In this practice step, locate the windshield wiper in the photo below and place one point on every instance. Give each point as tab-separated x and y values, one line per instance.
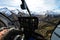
57	34
24	6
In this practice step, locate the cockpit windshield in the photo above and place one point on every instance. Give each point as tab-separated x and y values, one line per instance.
35	6
47	12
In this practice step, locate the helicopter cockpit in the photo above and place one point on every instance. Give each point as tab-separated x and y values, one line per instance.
14	26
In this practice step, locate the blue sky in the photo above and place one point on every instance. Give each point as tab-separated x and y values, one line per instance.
34	5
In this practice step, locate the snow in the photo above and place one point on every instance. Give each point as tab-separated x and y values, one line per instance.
6	11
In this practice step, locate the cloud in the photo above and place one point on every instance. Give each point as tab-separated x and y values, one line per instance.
34	5
10	3
15	2
49	4
42	4
57	3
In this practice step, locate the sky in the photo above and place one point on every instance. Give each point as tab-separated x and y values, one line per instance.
11	4
33	5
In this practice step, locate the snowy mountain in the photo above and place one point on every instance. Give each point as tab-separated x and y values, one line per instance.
15	11
9	12
52	13
6	11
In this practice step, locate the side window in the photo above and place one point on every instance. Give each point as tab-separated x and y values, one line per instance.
56	33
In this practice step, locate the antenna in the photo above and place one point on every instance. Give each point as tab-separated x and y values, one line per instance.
24	6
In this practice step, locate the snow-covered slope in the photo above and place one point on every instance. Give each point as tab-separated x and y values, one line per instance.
15	11
6	11
52	13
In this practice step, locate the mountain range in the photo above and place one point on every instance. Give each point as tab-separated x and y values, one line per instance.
46	13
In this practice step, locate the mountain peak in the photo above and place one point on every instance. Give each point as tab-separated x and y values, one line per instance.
6	11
